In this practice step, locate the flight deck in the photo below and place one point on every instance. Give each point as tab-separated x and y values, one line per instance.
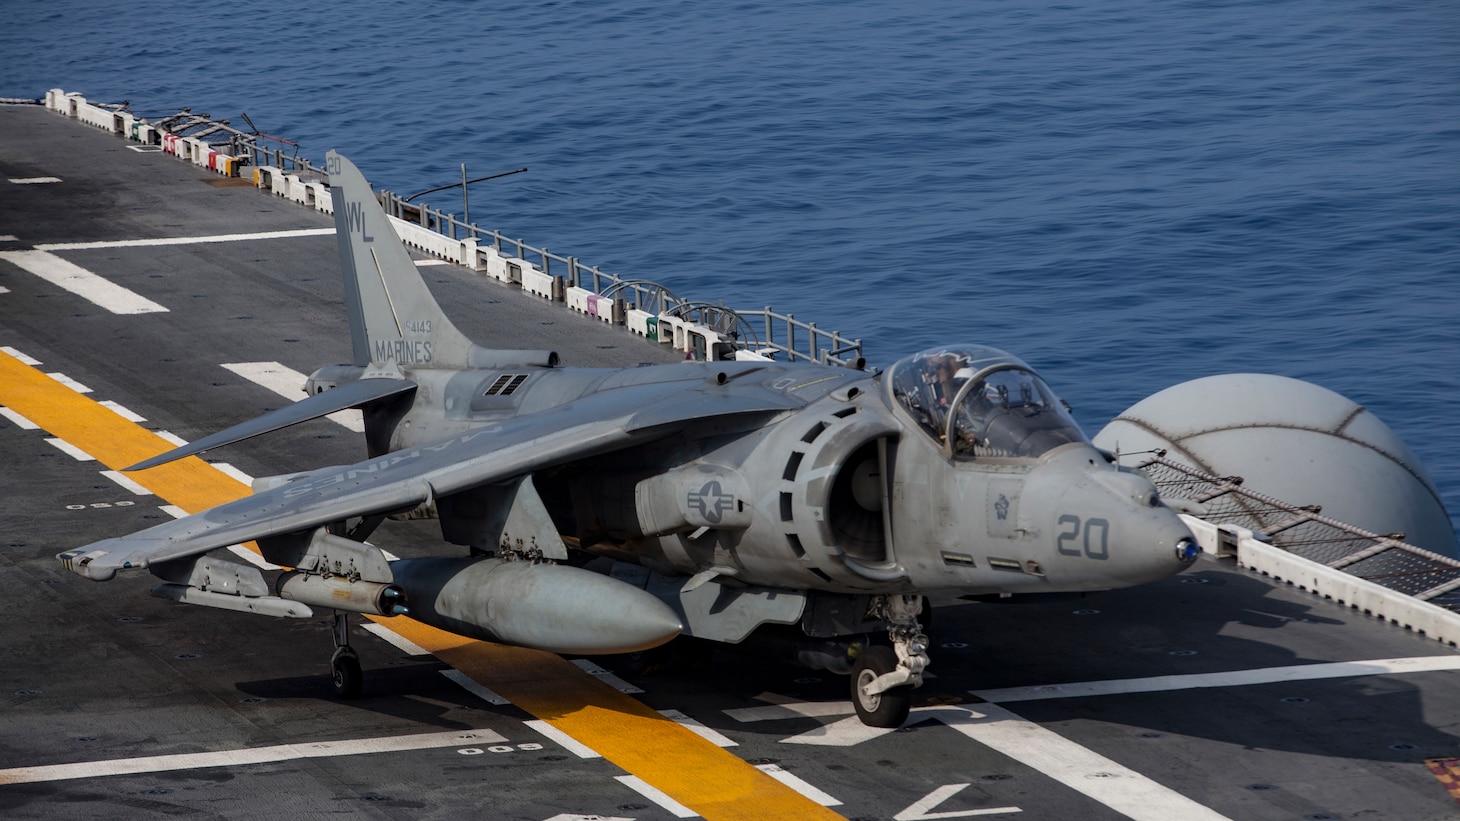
142	296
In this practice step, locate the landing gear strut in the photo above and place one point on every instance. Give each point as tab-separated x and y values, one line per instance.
345	665
884	677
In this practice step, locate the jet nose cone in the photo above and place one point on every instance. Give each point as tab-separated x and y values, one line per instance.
1109	528
1153	531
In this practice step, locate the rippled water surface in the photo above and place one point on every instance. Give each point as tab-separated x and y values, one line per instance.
1126	194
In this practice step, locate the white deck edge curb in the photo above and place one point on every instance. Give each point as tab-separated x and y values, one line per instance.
1372	599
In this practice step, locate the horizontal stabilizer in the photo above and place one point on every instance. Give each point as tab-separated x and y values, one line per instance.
349	395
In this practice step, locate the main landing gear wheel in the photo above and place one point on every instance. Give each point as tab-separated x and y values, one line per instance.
346	674
889	708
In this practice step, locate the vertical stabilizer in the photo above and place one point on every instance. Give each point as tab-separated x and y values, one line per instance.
393	317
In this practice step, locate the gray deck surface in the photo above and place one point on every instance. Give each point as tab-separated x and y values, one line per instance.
103	672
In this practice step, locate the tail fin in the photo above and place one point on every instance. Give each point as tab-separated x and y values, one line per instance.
393	317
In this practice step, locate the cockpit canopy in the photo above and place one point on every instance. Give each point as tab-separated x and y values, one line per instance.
979	402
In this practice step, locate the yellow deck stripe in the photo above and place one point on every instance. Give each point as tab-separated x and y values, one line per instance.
691	770
190	483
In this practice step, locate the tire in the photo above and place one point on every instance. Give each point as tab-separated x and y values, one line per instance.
346	675
887	709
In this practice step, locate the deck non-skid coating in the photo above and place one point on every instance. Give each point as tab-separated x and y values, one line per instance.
66	274
1350	747
666	755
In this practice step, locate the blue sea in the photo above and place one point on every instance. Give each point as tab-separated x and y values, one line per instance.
1126	194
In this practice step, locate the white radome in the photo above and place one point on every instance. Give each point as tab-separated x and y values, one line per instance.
1296	441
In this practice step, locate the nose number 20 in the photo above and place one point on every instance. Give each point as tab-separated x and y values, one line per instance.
1094	537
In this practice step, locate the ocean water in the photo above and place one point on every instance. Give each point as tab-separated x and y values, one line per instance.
1127	194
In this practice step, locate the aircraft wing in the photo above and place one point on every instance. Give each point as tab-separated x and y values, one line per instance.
399	480
351	395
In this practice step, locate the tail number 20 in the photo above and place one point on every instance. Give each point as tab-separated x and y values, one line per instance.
1095	537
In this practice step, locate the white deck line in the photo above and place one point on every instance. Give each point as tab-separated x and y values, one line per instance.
169	436
923	807
712	736
798	784
1082	770
72	277
69	382
20	357
246	756
70	450
1368	597
126	483
1235	678
847	732
232	472
396	640
784	707
289	384
19	420
123	412
562	739
606	677
475	687
656	795
252	558
143	243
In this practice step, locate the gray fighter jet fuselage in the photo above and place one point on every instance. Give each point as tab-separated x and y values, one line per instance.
724	500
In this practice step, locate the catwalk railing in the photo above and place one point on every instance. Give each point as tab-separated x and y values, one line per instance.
1382	559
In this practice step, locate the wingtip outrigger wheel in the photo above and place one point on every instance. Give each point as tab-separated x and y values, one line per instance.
345	672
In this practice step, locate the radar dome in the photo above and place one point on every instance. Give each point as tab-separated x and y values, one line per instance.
1296	441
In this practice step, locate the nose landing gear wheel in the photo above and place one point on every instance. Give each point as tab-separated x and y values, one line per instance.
889	708
346	674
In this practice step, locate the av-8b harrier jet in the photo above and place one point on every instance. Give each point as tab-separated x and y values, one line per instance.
809	506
